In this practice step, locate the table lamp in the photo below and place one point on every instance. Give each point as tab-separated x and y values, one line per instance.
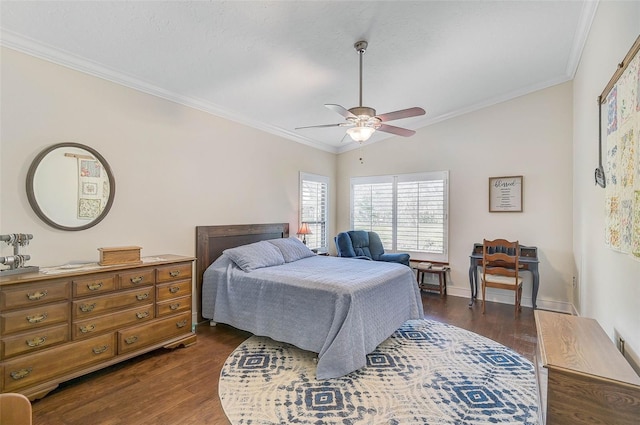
304	231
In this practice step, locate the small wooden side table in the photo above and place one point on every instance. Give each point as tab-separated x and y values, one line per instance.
439	269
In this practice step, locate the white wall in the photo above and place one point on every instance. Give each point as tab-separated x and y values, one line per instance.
175	167
608	282
529	136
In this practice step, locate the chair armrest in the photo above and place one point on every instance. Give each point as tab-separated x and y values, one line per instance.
398	257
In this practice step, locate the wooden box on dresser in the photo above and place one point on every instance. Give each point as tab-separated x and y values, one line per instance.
582	377
55	327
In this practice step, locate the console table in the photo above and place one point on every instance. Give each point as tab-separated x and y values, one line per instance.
528	261
582	378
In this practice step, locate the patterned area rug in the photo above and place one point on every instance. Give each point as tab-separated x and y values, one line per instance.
427	372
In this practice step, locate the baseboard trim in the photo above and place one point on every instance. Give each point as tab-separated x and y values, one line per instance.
508	298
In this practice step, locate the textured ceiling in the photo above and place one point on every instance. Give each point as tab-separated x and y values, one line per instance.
273	65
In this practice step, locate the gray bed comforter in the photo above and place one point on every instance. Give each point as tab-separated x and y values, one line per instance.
340	308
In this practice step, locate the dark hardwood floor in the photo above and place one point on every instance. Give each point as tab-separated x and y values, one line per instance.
181	386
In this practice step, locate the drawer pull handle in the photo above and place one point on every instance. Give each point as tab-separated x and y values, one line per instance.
136	280
131	339
181	324
174	273
87	329
22	373
34	296
36	341
174	306
100	350
94	286
87	307
174	289
37	318
142	315
141	297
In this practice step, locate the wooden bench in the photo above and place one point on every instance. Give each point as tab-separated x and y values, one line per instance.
431	267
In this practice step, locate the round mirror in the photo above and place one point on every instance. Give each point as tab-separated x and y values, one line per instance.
70	186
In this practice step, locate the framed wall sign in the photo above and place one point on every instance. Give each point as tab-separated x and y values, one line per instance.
505	194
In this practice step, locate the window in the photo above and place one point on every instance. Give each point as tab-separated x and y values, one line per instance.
408	211
314	191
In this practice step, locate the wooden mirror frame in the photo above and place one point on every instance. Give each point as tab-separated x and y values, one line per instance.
32	196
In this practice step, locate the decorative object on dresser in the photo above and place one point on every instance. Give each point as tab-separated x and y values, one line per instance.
120	255
582	378
62	323
16	262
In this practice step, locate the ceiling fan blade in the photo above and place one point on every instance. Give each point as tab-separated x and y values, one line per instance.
396	130
342	124
403	113
340	110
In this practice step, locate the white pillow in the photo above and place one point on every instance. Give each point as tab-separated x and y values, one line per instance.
255	256
292	249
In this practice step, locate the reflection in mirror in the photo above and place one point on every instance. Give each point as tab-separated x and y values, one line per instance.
70	186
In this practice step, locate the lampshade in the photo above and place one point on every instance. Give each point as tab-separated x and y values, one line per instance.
304	229
360	134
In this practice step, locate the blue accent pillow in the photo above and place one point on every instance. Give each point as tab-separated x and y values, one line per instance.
292	249
255	256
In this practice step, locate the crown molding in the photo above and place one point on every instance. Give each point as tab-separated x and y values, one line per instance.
31	47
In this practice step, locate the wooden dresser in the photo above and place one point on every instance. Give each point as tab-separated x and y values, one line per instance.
55	327
582	377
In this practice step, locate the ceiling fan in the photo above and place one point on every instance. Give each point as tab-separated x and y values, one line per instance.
362	120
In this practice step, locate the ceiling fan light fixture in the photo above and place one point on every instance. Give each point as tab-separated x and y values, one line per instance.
360	134
364	119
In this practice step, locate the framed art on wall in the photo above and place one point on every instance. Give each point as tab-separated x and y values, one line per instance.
620	175
505	194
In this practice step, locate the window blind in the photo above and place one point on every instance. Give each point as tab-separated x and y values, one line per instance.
314	209
408	211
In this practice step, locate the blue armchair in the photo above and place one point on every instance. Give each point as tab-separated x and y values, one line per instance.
363	244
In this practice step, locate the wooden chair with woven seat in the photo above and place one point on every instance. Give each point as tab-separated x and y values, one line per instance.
15	409
500	266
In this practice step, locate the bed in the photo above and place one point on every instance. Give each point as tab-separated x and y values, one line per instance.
340	308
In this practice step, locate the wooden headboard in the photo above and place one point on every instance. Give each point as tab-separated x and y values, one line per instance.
212	240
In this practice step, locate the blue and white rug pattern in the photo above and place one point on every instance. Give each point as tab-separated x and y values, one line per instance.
427	372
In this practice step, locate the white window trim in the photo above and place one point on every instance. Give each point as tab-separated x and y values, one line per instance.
320	179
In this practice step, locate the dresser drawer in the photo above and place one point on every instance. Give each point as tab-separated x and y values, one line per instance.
93	326
95	285
33	294
140	277
171	290
96	306
32	318
47	364
161	329
176	305
31	341
173	272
